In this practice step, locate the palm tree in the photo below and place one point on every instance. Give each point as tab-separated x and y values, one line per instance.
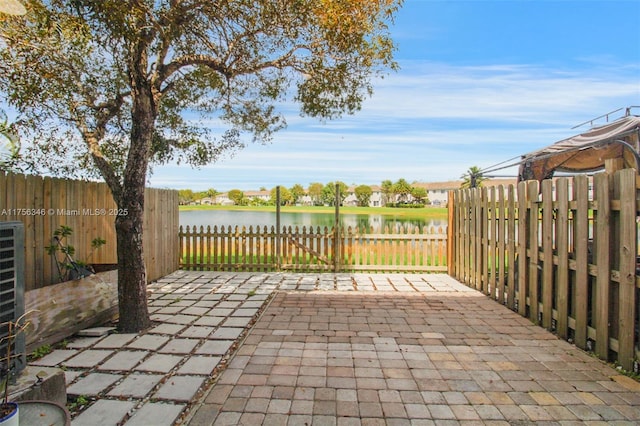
472	178
402	188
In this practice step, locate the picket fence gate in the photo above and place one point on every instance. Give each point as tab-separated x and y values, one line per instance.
306	249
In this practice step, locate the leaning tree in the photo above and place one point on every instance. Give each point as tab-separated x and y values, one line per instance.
120	85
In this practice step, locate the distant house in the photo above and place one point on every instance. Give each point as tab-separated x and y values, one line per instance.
374	201
258	195
350	199
206	201
438	192
376	196
223	199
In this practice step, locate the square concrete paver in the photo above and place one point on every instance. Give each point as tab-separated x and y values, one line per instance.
171	329
195	331
220	312
237	322
149	342
214	347
181	319
83	342
104	412
93	384
123	361
245	312
156	414
159	363
179	388
115	341
88	358
136	385
55	358
227	333
179	346
210	321
202	365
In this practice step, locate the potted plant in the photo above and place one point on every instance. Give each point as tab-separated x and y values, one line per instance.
9	411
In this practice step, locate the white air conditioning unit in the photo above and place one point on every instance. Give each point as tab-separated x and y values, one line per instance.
12	288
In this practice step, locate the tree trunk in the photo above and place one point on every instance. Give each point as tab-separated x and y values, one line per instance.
132	273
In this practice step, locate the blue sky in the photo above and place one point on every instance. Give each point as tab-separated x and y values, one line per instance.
480	82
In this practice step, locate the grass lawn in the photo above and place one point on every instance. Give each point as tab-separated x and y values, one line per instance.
421	212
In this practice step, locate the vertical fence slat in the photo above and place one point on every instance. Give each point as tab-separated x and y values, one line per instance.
511	246
523	219
581	226
477	243
532	261
466	255
495	263
602	259
485	252
562	244
547	253
502	244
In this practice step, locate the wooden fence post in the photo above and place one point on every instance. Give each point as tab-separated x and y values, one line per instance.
626	179
602	259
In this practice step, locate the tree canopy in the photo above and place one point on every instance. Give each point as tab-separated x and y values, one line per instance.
119	85
74	70
329	193
363	195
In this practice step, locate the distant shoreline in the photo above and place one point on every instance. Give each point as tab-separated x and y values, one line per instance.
392	211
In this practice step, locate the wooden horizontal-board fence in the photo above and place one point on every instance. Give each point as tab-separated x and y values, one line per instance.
562	253
312	249
45	203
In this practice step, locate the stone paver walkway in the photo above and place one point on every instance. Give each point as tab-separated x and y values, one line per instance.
336	349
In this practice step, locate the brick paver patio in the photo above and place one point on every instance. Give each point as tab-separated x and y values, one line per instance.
400	358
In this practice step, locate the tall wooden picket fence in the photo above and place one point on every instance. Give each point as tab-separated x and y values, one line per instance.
312	249
42	204
562	253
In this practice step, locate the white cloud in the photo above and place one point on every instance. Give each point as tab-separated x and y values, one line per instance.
429	121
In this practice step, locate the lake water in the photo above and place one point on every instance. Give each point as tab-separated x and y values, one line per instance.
251	218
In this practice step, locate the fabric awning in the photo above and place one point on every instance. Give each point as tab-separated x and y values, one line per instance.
585	152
